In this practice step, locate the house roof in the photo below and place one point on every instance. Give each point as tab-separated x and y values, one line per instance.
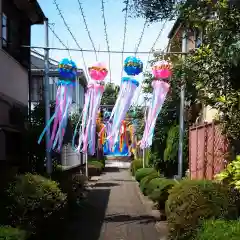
175	27
32	9
37	68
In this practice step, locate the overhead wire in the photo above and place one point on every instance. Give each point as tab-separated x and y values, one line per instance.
70	32
106	38
87	29
155	42
149	54
124	33
101	51
60	40
141	36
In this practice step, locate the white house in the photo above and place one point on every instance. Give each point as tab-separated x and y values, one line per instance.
17	17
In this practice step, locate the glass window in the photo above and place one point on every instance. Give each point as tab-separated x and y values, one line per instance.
4	30
198	38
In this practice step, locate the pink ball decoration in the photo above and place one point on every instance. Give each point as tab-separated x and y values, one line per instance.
98	71
162	69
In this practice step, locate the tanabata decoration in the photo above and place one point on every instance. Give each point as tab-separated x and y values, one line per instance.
162	72
67	80
132	66
87	131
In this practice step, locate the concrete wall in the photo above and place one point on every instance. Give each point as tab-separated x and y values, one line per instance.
14	79
13	87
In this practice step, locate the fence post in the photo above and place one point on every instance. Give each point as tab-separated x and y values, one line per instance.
196	160
205	162
213	136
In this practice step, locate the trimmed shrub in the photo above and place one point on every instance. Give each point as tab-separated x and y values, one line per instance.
145	181
160	195
95	168
135	165
191	201
34	199
219	230
10	233
154	184
143	172
74	186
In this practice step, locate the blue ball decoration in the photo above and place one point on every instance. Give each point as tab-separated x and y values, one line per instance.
67	70
133	66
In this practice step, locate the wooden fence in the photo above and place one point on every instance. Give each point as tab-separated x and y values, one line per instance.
207	151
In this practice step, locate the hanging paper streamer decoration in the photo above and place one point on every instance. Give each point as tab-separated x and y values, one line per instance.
161	71
67	80
87	132
132	66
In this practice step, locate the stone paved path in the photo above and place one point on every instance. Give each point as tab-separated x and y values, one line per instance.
115	212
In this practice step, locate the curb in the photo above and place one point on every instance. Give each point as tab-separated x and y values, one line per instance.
161	226
147	203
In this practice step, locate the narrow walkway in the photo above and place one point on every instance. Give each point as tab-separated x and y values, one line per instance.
115	212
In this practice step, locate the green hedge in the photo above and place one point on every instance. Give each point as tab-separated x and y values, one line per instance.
160	194
10	233
32	200
154	184
145	181
143	172
219	230
191	201
95	168
135	165
96	164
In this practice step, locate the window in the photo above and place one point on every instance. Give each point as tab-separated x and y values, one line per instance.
4	30
198	38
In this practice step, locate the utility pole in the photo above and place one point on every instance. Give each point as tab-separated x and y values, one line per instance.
181	117
46	97
145	118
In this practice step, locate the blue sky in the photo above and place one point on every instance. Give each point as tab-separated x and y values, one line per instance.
115	28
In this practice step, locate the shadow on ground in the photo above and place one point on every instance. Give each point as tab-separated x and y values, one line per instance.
111	169
126	219
87	225
122	180
106	184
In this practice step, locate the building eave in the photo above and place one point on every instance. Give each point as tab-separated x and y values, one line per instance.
32	9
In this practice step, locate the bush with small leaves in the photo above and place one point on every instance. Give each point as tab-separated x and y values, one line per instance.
135	165
154	184
143	172
192	201
160	195
10	233
219	230
33	199
145	181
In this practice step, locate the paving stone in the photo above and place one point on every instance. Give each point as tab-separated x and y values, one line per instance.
115	212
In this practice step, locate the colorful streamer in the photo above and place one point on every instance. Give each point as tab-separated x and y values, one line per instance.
132	66
68	72
87	132
161	70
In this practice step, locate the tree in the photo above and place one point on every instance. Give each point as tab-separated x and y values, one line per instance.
110	94
167	125
155	10
214	67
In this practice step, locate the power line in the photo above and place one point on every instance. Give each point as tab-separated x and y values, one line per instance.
152	51
87	29
106	37
59	39
141	36
102	51
124	33
41	55
69	30
155	42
